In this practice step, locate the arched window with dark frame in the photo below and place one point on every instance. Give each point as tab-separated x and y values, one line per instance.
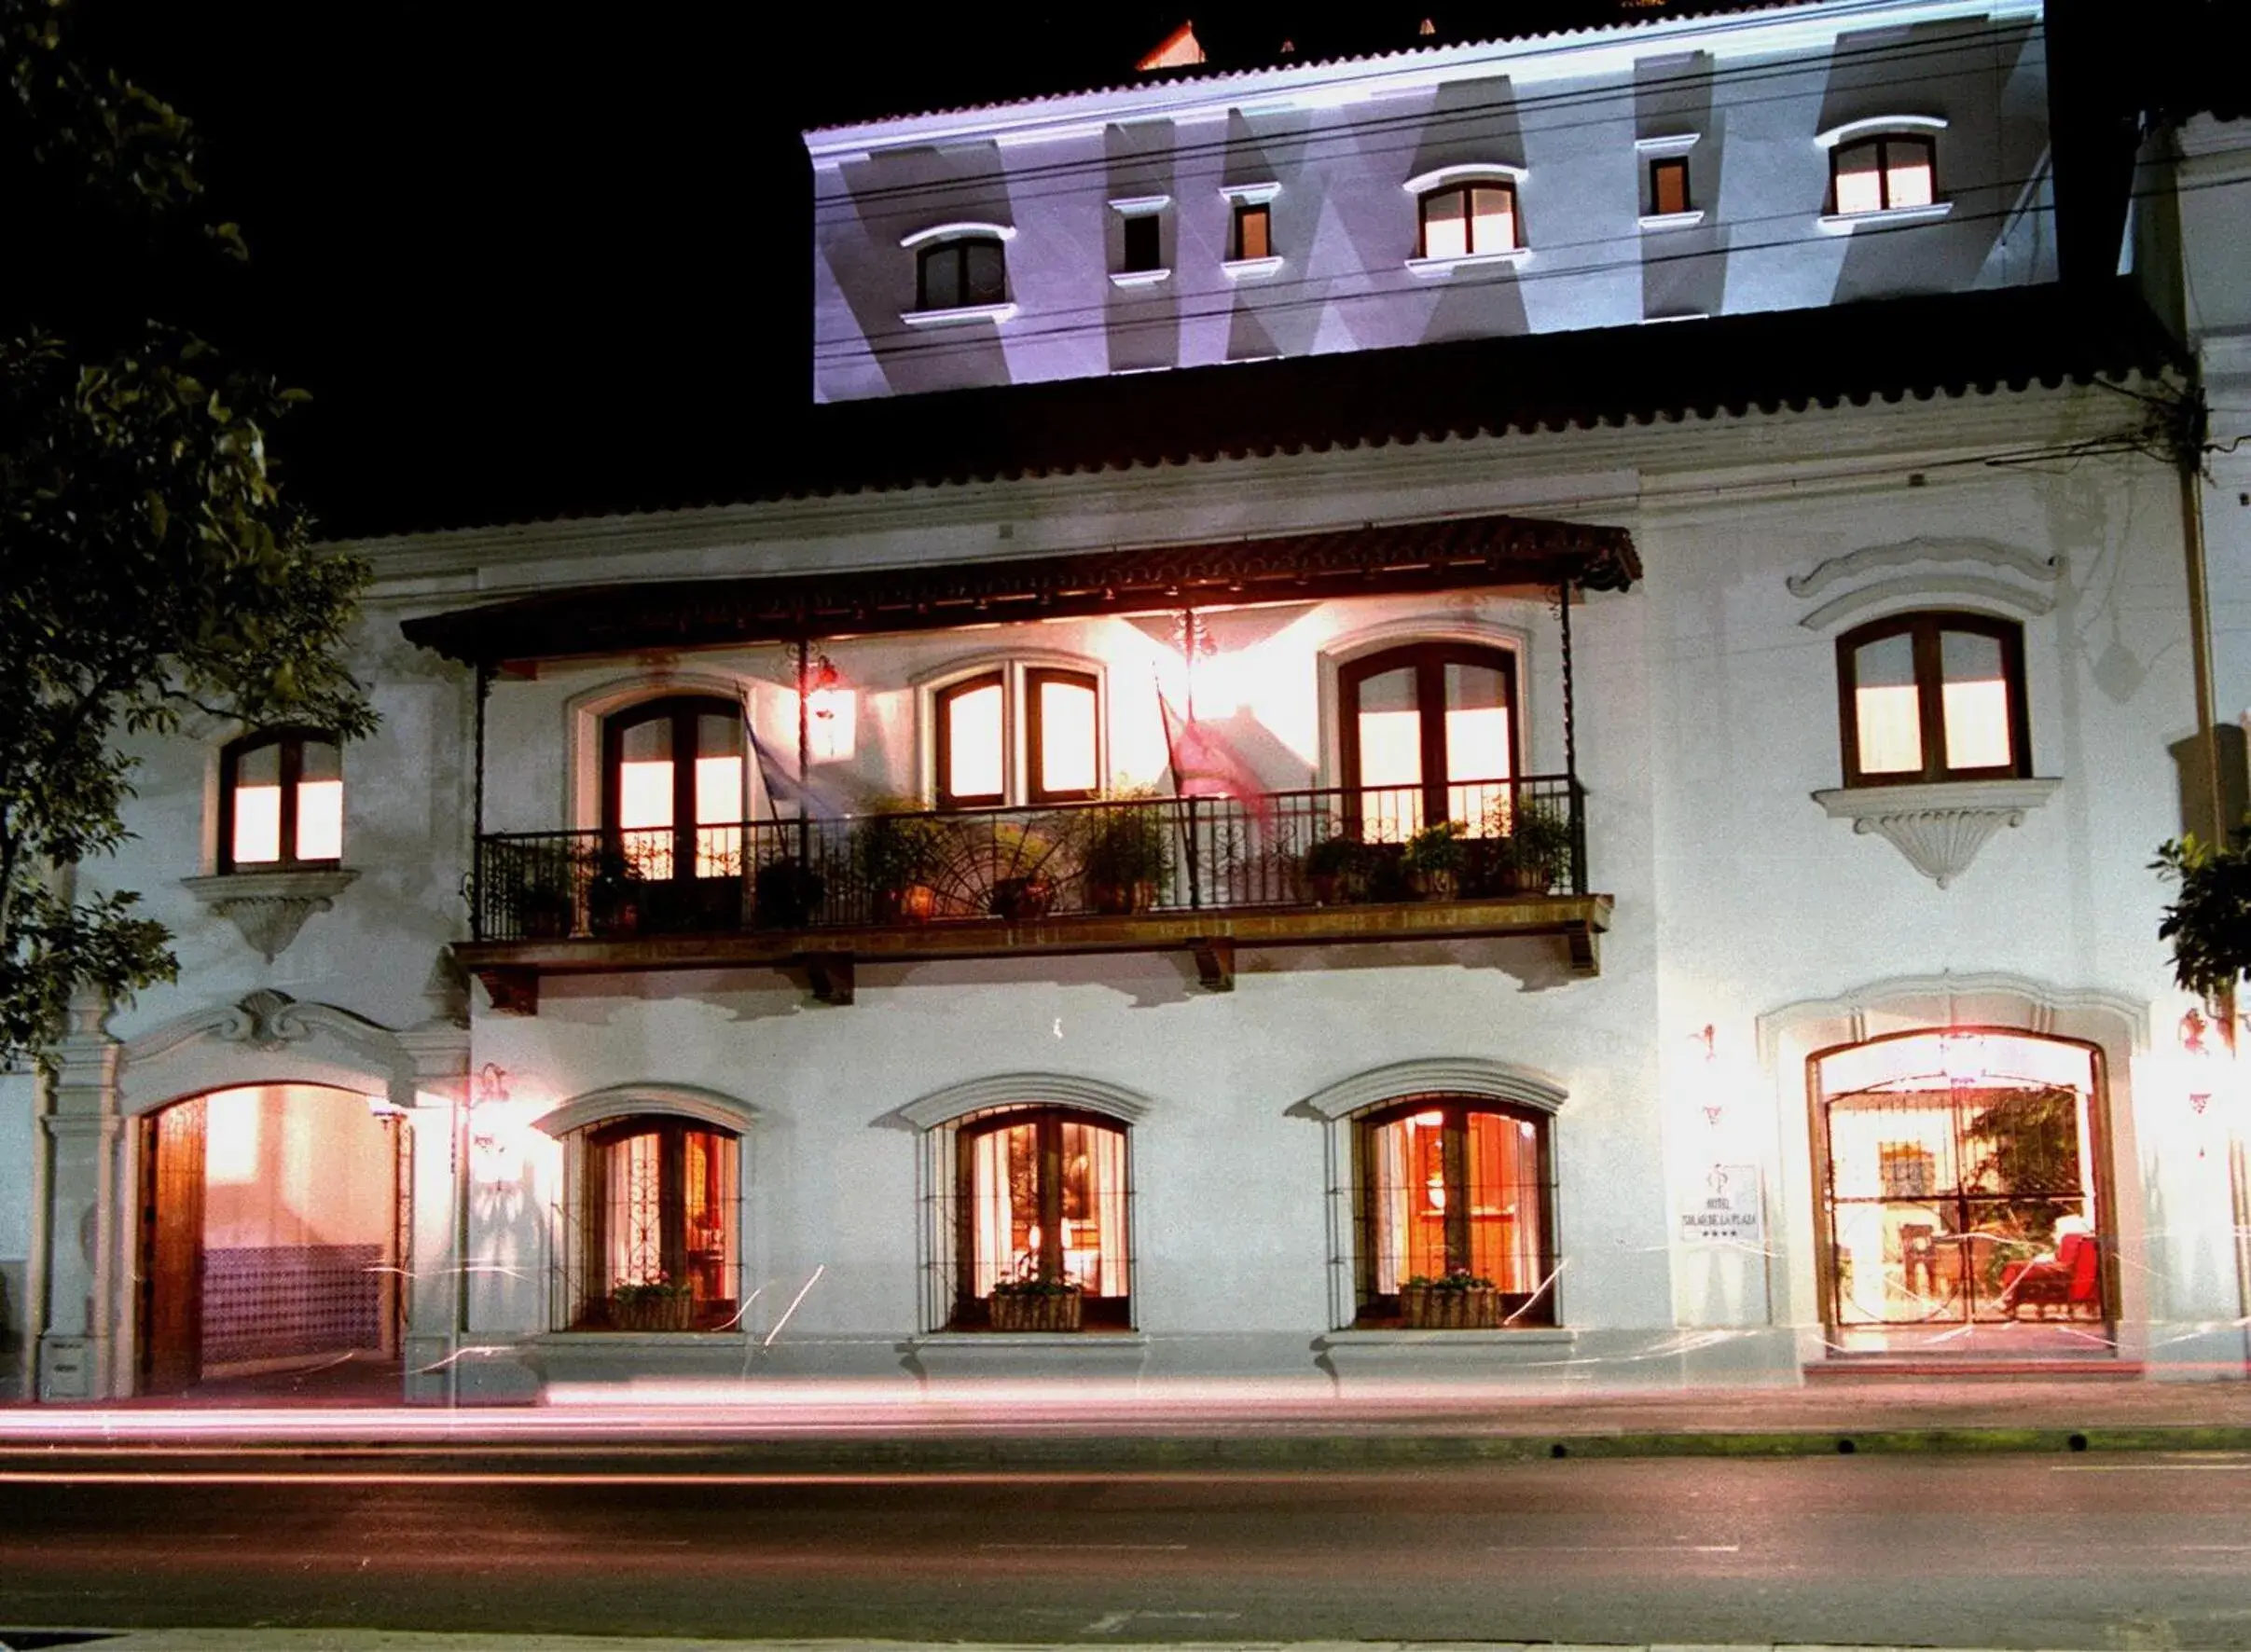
977	717
1467	220
961	273
1883	174
972	741
651	1207
282	802
1455	1186
673	808
1933	697
1062	743
1040	1197
1428	733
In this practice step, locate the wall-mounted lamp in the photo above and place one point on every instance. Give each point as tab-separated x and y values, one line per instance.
491	1086
2194	1032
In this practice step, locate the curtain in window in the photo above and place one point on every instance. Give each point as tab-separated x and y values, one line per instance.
1389	1148
1106	1190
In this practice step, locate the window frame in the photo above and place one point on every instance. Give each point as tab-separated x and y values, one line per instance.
1034	677
941	697
1660	166
683	710
969	1311
1464	188
1430	660
1237	247
1926	626
1882	144
1021	730
1372	1310
957	248
584	1191
292	738
1138	225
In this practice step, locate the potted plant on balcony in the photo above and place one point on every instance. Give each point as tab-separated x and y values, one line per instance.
613	894
784	894
1036	1305
1455	1301
896	850
651	1304
1336	871
1540	847
1021	889
541	905
1432	860
1122	853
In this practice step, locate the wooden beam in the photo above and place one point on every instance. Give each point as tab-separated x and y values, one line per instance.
831	973
1584	942
514	989
1215	964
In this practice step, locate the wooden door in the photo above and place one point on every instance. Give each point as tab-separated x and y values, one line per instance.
171	1249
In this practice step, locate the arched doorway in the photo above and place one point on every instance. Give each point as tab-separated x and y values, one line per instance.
274	1235
1965	1205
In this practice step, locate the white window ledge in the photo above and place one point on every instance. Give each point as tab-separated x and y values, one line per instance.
1249	268
1425	1338
966	312
271	907
1429	268
1939	826
1885	218
1252	194
641	1339
1139	277
1673	220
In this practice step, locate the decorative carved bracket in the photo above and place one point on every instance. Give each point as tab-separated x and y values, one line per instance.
831	973
1215	964
1940	827
513	991
269	907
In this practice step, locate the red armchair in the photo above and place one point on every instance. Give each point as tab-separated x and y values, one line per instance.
2070	1279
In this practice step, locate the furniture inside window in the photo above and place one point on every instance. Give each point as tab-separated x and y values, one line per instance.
1430	734
1468	219
673	807
1669	186
655	1206
1933	697
1143	250
282	802
959	275
1040	1234
1460	1188
1060	713
1253	233
1883	174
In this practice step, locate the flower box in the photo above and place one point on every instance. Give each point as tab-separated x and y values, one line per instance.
653	1310
1026	1311
1431	1307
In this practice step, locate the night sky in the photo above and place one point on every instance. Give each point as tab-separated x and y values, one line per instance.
532	261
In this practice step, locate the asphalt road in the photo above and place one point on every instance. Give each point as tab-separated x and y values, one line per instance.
2091	1551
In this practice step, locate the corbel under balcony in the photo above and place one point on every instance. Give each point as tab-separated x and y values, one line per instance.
1939	827
271	907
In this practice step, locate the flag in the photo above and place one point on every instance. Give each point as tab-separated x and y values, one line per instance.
1206	764
812	798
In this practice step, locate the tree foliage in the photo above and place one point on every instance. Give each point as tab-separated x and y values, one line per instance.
2210	924
150	570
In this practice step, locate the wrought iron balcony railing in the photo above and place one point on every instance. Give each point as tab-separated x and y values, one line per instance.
1121	856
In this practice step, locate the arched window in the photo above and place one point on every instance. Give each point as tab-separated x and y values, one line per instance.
1933	697
650	1210
1878	174
1430	734
673	788
282	802
1059	710
1040	1220
1454	1189
961	273
1465	220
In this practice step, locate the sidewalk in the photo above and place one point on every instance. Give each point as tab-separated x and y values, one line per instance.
832	1427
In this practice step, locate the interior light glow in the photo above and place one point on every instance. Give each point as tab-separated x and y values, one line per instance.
257	824
645	793
320	820
832	718
1066	737
973	743
230	1136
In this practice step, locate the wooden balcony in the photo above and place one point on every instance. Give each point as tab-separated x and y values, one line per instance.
1204	876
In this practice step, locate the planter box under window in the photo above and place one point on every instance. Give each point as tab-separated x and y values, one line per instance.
667	1313
1427	1308
1057	1311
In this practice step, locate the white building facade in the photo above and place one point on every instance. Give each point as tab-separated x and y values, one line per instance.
1611	858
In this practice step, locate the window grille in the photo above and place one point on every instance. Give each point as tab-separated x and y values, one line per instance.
649	1227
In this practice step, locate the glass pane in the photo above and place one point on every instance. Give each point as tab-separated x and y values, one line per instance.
1005	1206
987	280
319	759
1886	710
1251	236
1390	756
257	807
1094	1209
972	743
1976	701
1907	177
636	1211
1505	1240
1859	183
1493	227
941	271
708	1210
1142	249
1066	736
1407	1200
718	813
320	820
1445	228
1669	187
